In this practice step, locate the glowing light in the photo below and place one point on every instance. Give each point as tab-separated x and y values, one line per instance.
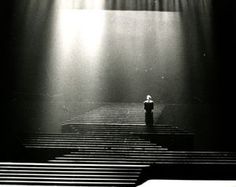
77	50
81	27
89	44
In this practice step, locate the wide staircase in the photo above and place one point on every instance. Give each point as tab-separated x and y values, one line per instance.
107	152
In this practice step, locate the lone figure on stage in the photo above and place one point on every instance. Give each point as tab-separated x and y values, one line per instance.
148	106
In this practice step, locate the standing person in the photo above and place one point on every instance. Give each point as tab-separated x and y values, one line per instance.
148	106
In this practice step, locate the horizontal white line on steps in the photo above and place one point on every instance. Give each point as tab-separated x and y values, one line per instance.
67	165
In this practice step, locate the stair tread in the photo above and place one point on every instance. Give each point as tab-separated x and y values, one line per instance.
67	182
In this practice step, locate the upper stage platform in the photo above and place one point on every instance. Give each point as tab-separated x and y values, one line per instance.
129	118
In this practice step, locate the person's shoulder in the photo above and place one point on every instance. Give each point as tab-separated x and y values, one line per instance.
148	101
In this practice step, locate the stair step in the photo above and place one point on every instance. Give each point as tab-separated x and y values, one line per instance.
105	137
213	163
109	155
146	161
80	183
81	171
72	165
136	145
68	175
139	156
66	178
90	140
172	153
104	158
109	169
93	147
123	162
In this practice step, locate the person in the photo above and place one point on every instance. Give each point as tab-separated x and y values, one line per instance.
148	106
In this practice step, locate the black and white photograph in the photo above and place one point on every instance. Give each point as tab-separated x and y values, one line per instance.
118	93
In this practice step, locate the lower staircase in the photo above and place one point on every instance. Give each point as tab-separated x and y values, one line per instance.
111	154
91	158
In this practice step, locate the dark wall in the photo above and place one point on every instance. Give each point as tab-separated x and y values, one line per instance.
224	39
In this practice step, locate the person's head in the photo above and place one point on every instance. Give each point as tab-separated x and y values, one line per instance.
149	97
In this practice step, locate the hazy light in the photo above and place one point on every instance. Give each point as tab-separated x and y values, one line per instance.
81	4
76	51
94	50
82	27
